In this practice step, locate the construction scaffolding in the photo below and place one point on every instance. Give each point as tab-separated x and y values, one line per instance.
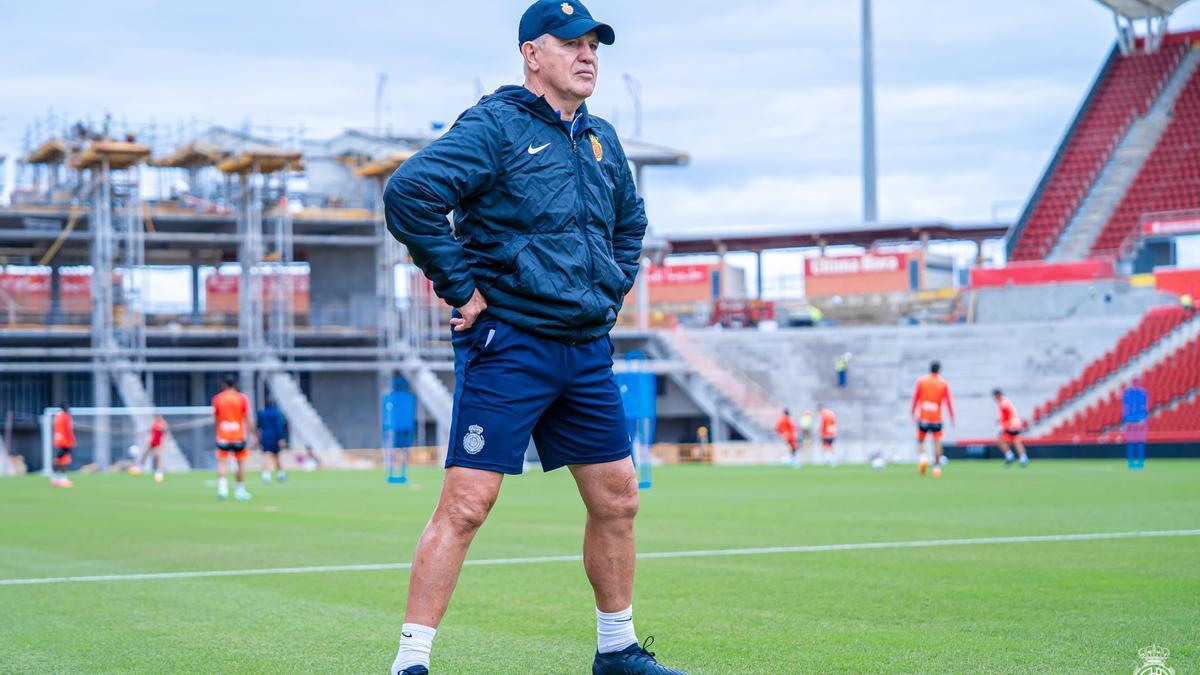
276	269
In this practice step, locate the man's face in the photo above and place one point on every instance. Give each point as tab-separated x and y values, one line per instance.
570	66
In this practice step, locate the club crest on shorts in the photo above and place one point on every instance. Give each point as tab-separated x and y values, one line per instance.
473	441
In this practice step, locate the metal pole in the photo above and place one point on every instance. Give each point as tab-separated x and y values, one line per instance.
635	92
870	197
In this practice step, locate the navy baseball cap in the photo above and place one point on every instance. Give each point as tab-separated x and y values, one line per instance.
564	19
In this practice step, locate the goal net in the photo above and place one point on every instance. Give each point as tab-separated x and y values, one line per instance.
119	436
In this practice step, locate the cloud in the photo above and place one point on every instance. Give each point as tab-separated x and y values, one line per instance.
971	99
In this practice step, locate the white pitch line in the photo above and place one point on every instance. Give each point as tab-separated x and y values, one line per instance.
819	548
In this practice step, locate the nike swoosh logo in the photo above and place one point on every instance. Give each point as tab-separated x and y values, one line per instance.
407	635
534	151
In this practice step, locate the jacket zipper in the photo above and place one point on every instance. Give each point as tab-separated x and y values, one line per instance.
581	216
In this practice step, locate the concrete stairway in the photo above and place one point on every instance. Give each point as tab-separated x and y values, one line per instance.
1121	378
133	395
307	427
720	390
437	400
1121	170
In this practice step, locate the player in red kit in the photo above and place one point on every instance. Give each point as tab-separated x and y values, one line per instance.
1011	427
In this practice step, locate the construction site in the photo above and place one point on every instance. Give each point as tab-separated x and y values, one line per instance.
292	283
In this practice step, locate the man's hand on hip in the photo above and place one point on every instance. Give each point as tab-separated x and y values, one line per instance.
470	312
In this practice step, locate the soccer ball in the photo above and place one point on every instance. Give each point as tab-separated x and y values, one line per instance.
878	463
133	451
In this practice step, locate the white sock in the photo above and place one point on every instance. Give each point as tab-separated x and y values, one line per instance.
222	485
415	643
614	630
266	475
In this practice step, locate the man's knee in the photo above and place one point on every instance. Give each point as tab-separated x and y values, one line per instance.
466	513
620	502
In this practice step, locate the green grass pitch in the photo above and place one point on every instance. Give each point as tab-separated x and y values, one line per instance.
1061	607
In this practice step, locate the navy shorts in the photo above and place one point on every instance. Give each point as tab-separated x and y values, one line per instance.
511	385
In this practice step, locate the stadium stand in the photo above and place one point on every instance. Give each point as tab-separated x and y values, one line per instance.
1168	181
1161	351
1181	417
1154	326
1027	360
1125	89
1170	381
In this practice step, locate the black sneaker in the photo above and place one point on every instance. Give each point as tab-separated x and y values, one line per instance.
414	670
632	660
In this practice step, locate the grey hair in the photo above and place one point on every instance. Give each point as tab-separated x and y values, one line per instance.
540	41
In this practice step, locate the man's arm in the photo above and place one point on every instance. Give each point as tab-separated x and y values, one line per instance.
630	225
424	189
950	407
916	399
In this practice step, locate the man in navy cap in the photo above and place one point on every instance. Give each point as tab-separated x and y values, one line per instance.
546	244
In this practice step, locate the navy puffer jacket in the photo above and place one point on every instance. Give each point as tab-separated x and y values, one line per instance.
547	221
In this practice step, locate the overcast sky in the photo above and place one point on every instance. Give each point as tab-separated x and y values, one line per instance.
972	95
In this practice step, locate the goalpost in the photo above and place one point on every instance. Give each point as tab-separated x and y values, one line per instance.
189	434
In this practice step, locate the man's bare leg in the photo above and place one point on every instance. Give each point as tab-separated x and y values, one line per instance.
467	498
1004	448
610	493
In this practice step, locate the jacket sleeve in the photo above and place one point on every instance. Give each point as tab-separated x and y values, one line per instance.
430	185
630	226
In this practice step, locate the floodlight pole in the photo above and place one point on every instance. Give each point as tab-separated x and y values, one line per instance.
870	196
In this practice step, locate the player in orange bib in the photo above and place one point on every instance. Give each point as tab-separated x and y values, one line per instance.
786	428
1011	427
828	433
234	426
64	443
158	429
931	394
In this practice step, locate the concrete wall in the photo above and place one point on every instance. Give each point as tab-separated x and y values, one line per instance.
349	405
343	287
1086	299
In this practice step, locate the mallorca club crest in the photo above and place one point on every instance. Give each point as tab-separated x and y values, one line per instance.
1154	661
567	8
473	441
597	149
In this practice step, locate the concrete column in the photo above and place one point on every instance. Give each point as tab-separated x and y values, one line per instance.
55	316
101	398
195	269
722	251
718	431
642	295
58	389
758	272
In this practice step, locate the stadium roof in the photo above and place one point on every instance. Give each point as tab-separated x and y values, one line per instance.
845	234
1142	9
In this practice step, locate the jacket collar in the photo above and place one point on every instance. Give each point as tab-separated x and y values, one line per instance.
540	108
